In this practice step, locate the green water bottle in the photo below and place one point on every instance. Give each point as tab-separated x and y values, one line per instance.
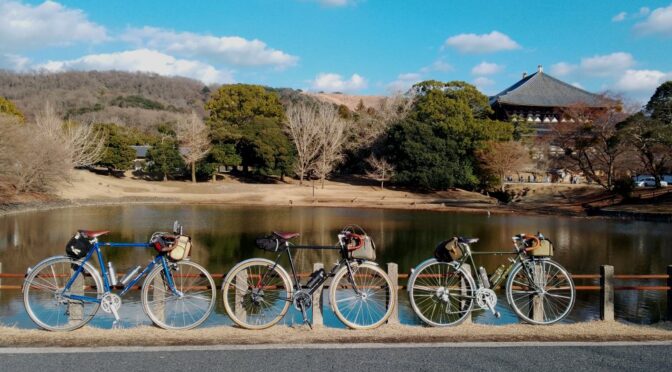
497	275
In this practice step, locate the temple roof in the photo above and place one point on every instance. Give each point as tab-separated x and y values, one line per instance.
540	89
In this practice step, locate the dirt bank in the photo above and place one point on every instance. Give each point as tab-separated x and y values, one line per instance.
149	336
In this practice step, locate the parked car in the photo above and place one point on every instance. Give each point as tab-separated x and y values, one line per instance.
648	181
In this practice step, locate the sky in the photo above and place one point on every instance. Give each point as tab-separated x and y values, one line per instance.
351	46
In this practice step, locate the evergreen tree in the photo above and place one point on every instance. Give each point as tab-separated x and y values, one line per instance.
117	153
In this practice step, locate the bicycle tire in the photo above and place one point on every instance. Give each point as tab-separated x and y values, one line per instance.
257	305
441	295
527	297
378	296
191	308
51	311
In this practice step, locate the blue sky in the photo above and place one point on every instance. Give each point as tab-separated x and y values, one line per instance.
353	46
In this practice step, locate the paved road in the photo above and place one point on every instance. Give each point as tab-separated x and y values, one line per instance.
364	357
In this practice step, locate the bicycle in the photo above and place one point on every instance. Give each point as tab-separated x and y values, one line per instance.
257	292
540	291
63	293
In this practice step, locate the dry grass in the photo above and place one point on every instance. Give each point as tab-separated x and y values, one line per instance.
149	336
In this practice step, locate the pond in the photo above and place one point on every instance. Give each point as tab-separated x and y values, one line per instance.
224	235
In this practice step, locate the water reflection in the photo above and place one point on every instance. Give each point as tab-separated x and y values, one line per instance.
224	235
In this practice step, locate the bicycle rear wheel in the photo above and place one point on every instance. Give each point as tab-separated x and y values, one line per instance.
48	304
371	304
440	294
187	309
544	293
257	293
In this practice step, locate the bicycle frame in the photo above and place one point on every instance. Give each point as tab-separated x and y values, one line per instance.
159	259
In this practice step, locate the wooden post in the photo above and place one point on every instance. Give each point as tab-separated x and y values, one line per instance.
537	307
607	292
241	289
393	273
0	276
464	293
318	305
75	308
669	292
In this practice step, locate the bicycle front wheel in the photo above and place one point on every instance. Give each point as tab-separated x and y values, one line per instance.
257	294
540	291
47	302
441	295
364	300
189	305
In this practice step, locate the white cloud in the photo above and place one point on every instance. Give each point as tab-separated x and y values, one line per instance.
563	69
25	26
483	83
331	82
232	50
335	3
14	62
486	68
438	65
578	85
658	22
619	17
404	82
142	60
607	65
641	80
485	43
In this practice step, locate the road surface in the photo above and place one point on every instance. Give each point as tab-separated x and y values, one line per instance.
653	356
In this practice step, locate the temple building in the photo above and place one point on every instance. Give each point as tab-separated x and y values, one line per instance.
541	99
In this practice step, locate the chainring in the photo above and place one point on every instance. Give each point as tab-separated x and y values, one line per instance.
486	298
302	298
110	301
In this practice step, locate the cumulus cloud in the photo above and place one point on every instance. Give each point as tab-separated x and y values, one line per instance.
438	65
25	26
142	60
563	69
331	82
485	43
619	17
483	83
607	65
486	68
14	62
641	80
232	50
659	21
404	82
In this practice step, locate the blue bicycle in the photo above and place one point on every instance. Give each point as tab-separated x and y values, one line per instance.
63	293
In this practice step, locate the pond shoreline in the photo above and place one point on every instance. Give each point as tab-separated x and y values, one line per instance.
597	331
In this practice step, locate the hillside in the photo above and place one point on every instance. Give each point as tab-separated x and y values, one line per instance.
134	99
350	101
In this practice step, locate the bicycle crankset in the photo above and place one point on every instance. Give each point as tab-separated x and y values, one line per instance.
110	303
487	299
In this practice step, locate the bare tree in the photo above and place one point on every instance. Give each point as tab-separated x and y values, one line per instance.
304	130
332	135
84	145
501	158
381	170
192	134
591	144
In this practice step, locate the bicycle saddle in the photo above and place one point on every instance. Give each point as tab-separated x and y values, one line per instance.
92	233
285	235
465	240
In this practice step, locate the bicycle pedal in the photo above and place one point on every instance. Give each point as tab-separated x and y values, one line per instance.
498	315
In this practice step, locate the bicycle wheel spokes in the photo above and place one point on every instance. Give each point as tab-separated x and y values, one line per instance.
364	300
544	295
189	305
257	295
441	295
50	306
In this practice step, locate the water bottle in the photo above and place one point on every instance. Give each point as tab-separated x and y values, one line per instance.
111	274
497	275
484	277
129	275
316	278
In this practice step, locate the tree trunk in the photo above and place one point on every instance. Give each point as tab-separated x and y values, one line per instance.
382	185
193	171
301	179
323	182
214	177
165	177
